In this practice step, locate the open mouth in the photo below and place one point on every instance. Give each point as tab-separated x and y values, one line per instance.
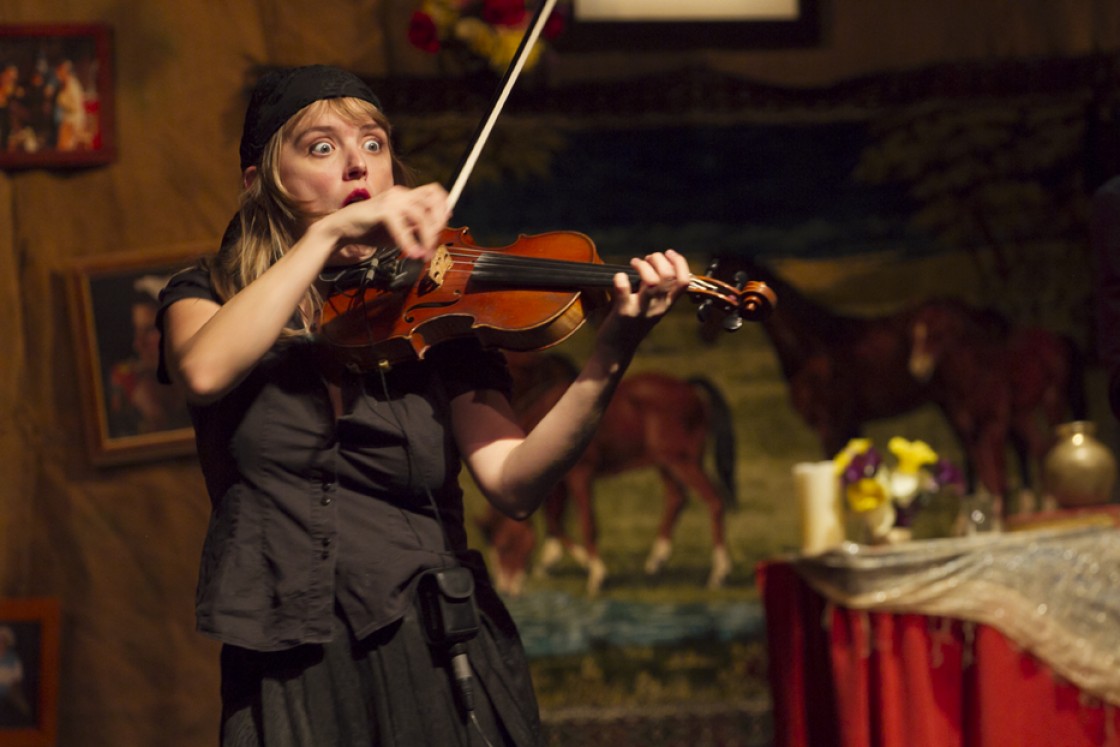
358	195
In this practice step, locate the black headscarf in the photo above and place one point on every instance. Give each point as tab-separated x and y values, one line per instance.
281	93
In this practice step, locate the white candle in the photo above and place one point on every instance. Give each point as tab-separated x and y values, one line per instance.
818	506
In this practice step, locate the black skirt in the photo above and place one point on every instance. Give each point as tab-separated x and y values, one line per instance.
389	690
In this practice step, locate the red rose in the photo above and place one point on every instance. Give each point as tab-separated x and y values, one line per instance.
422	32
503	12
555	25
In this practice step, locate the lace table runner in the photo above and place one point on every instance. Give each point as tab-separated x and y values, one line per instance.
1054	593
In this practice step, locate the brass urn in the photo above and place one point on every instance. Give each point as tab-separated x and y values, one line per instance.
1079	470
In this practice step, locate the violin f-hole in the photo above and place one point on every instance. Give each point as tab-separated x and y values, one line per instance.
409	315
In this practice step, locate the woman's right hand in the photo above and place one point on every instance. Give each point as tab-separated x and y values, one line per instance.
410	219
211	348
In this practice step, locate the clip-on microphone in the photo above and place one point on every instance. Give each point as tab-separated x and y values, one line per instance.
450	619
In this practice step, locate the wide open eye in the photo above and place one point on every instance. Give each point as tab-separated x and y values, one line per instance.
322	148
373	145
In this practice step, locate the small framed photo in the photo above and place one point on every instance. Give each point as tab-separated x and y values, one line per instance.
129	415
56	96
29	672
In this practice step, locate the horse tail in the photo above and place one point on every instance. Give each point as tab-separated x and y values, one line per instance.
1075	381
723	434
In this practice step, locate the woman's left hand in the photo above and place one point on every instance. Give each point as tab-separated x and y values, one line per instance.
664	277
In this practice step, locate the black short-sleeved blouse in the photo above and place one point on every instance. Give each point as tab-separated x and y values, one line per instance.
308	510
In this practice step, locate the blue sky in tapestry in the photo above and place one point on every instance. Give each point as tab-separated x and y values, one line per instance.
764	190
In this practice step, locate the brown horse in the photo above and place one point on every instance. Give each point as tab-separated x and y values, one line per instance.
989	378
842	371
997	383
654	420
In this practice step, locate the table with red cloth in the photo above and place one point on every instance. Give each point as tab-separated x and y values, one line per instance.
990	641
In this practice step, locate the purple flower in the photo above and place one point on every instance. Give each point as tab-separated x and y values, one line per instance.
864	464
946	474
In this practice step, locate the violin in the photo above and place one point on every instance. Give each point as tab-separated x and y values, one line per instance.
530	295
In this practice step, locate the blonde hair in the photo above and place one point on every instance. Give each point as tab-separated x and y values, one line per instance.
270	217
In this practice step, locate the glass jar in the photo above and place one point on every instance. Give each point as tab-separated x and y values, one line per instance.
978	514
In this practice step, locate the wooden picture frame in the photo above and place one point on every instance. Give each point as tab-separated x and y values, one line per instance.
129	416
29	663
56	96
631	30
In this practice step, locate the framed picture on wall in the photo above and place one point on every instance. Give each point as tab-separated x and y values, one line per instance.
56	96
28	672
129	416
674	25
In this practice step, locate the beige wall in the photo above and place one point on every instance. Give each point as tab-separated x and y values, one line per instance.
118	546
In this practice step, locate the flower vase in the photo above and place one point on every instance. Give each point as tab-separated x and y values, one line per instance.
877	524
1079	470
935	513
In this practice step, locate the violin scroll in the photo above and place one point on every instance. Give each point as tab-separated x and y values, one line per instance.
742	300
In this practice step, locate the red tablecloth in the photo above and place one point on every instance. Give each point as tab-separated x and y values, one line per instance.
840	676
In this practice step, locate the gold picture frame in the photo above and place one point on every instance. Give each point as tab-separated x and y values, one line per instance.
29	661
129	416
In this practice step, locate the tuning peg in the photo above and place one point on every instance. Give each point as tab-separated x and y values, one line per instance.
704	310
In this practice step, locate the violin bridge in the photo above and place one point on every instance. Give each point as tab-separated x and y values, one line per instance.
438	267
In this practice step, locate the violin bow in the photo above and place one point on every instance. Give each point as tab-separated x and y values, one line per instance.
757	300
532	33
404	271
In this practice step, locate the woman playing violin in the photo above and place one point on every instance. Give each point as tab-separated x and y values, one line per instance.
336	535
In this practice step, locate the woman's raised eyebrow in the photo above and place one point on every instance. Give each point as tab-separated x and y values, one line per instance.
314	130
329	128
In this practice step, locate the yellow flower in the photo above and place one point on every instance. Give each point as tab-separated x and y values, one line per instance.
496	45
509	39
911	455
866	494
853	447
443	13
476	34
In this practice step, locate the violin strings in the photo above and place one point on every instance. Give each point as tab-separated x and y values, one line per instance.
493	266
559	272
489	254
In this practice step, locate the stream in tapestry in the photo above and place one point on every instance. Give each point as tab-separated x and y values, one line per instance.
558	624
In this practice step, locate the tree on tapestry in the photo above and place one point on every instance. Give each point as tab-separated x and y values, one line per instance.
1001	181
